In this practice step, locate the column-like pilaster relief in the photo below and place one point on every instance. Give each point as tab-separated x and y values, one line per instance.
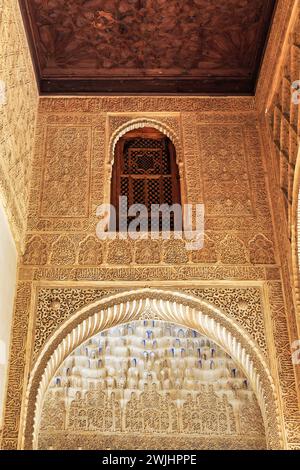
17	366
287	380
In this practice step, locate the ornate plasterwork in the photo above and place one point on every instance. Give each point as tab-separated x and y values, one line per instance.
18	110
238	247
282	118
70	169
56	305
121	124
146	104
169	306
232	179
93	441
283	308
295	236
274	54
17	366
152	378
286	373
151	273
238	188
67	250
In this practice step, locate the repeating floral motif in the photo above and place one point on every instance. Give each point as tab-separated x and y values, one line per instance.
233	250
17	366
90	252
56	250
207	254
65	191
36	252
244	305
17	117
147	252
261	250
175	252
57	305
71	441
63	251
225	171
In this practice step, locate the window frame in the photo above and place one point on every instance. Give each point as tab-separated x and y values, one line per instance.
143	133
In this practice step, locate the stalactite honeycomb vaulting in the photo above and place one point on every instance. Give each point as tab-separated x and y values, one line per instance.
150	378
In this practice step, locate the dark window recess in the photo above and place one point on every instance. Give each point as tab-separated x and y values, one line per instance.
145	171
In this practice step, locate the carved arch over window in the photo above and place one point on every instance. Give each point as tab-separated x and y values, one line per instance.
145	172
168	126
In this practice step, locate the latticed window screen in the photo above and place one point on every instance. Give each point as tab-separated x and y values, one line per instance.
145	171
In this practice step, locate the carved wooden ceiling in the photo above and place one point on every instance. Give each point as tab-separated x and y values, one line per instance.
148	46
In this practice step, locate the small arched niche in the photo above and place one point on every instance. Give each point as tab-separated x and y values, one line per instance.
150	384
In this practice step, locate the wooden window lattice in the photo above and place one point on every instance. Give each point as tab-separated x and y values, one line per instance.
145	171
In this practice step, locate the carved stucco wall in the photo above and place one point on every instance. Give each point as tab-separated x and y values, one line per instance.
185	307
222	165
283	122
279	122
18	110
8	274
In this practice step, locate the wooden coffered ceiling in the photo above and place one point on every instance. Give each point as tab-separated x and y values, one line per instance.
148	46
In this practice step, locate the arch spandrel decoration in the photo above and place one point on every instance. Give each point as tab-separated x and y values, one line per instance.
169	306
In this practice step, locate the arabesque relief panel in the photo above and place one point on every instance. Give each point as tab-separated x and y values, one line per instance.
56	305
216	163
18	111
61	243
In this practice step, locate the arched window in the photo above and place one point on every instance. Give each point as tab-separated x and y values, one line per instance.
145	171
